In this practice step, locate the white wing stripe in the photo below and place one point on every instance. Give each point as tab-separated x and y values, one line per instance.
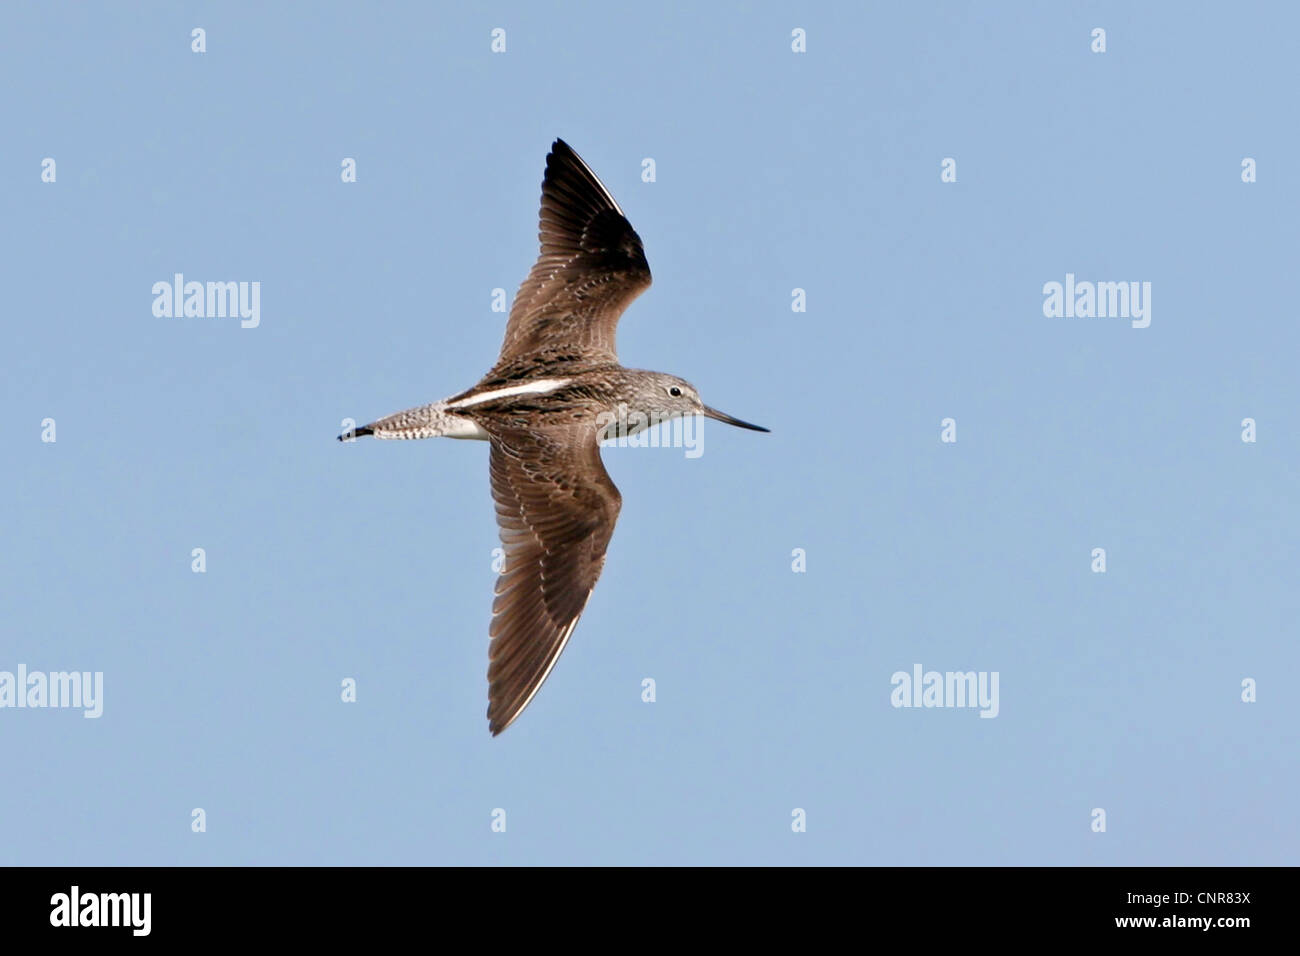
541	386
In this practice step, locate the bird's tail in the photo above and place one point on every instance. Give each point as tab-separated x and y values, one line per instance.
426	421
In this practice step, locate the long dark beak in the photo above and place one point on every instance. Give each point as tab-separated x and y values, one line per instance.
722	417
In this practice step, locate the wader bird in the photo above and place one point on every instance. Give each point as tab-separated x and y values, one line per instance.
544	408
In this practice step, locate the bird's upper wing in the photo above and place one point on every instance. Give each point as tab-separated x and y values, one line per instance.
590	268
556	508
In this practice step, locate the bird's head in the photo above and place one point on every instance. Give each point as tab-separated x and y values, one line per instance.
661	398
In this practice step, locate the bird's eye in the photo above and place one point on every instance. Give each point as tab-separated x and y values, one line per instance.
675	392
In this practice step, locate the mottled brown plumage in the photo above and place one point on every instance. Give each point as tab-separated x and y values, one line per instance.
544	408
590	268
556	509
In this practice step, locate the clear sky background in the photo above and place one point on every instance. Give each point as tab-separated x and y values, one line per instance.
775	170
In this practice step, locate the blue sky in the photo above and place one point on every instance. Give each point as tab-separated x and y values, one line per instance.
775	170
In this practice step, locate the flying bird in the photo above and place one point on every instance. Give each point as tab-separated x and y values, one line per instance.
553	395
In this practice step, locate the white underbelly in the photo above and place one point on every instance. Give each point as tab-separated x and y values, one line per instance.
458	427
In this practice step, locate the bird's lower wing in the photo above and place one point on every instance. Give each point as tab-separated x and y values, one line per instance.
556	509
